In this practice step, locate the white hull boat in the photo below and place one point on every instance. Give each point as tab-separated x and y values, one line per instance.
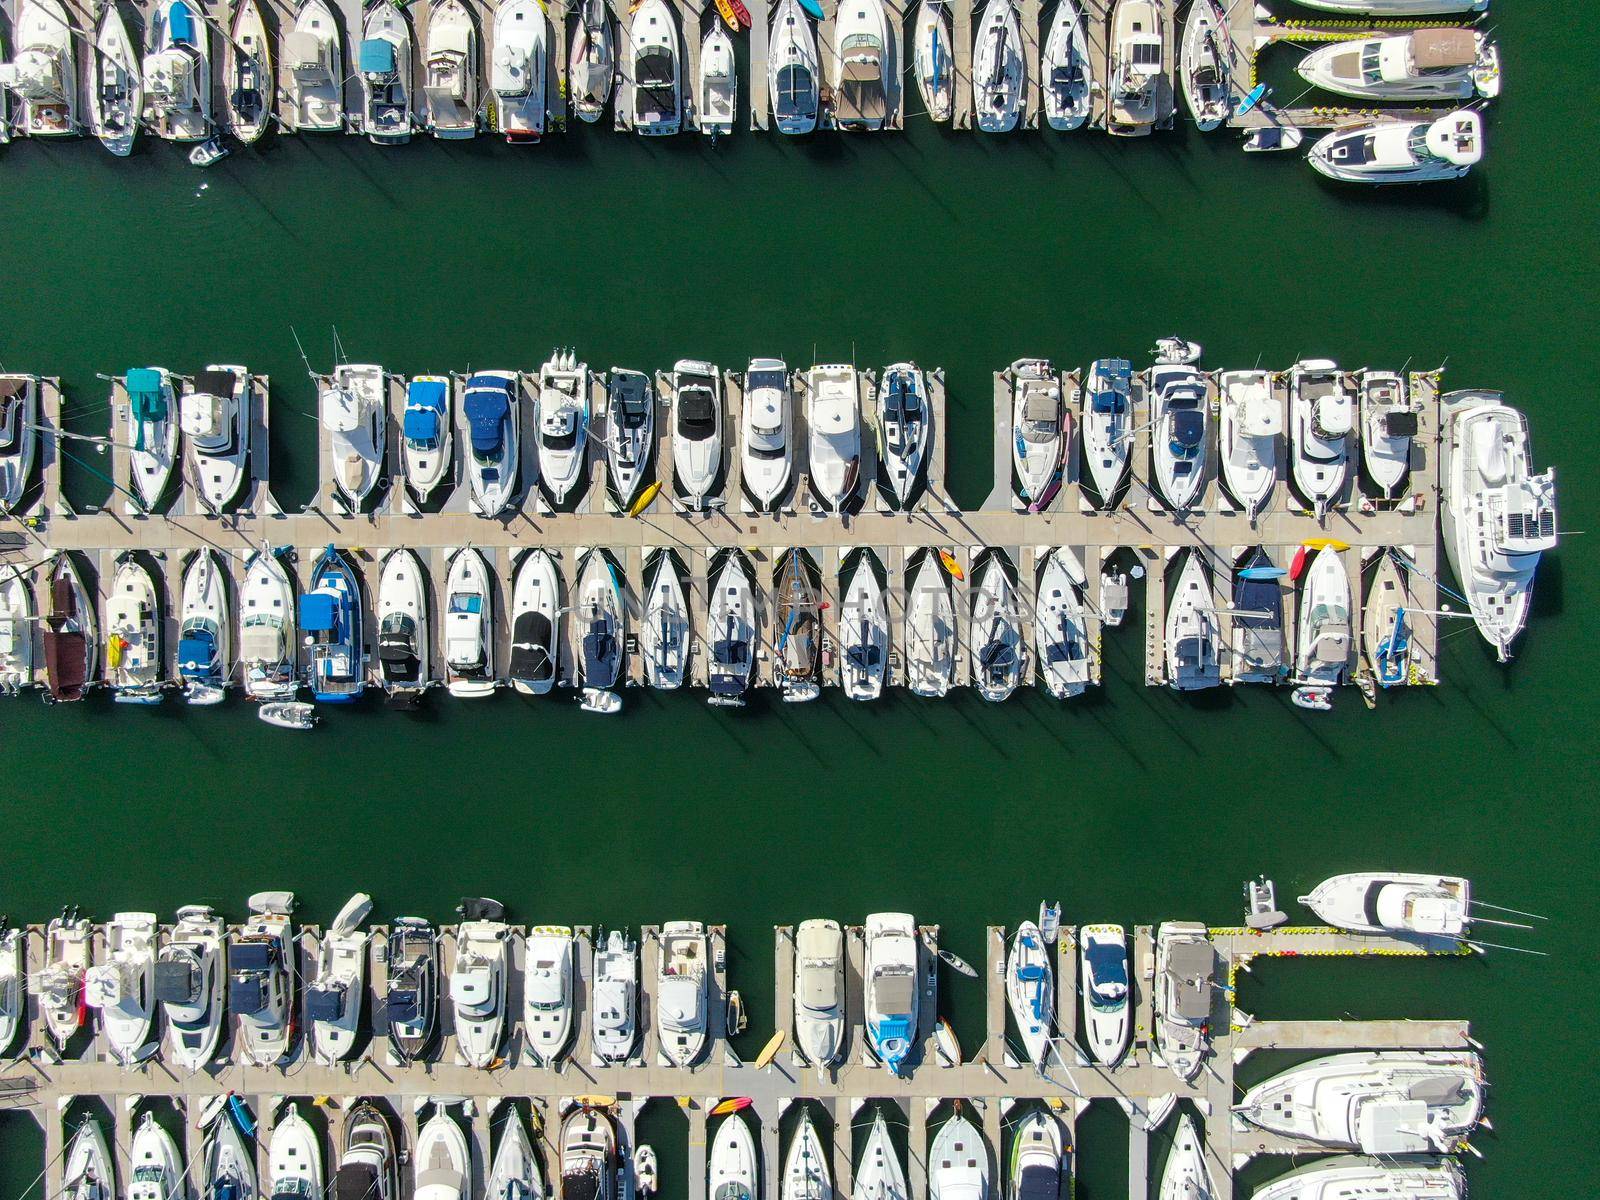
228	1167
630	432
1068	78
563	424
13	987
88	1174
930	630
157	1172
1108	425
655	70
1061	629
1185	1175
892	982
535	621
469	627
1250	426
863	631
1192	633
294	1157
313	55
1138	69
905	428
123	987
151	429
665	633
1394	902
216	419
267	642
616	999
767	441
958	1162
805	1168
1348	1176
681	992
1180	439
403	642
998	655
46	69
1038	437
514	1173
819	991
1107	1011
177	74
1388	428
1037	1157
116	84
353	408
337	993
205	631
998	72
547	992
191	979
1203	65
1391	151
603	630
878	1174
60	985
478	990
717	89
696	429
263	962
861	83
491	415
518	69
1323	638
732	621
450	71
1322	412
793	77
19	436
441	1163
247	68
426	438
1031	992
1421	66
134	622
731	1164
833	429
933	55
592	63
1185	974
384	63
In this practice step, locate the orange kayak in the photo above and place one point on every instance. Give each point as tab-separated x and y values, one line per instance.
730	1106
735	14
951	565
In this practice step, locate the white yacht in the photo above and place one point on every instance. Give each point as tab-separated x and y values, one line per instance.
930	645
514	1173
905	428
592	63
548	991
1398	8
1180	439
792	71
767	439
998	655
1185	1175
123	987
1108	425
177	73
1031	991
563	424
247	70
958	1162
655	69
1389	151
717	89
1498	517
731	1164
1249	428
1322	641
59	985
134	623
491	415
1377	1102
878	1173
263	962
518	67
441	1164
998	72
89	1173
337	993
450	71
535	620
478	990
665	633
696	429
1038	1158
833	425
1322	411
294	1158
205	631
13	986
1107	1011
216	420
353	406
734	635
116	84
44	72
861	79
18	621
603	631
384	63
157	1172
1061	625
805	1168
1191	633
933	58
1138	69
892	981
469	626
191	980
1423	65
863	630
403	642
1204	65
426	435
150	420
1394	902
819	1009
19	436
1185	980
1346	1177
1040	430
630	431
682	992
615	1000
312	53
1068	77
267	642
1388	428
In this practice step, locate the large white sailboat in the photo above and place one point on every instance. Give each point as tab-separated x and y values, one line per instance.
998	654
205	631
930	639
1064	63
665	632
1347	1176
805	1168
592	63
878	1173
1193	659
1031	992
999	74
905	428
731	619
1061	625
863	629
1185	1175
933	58
116	84
792	70
249	82
150	420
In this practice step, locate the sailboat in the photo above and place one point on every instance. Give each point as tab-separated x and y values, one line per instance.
1068	78
535	616
403	644
998	72
664	635
491	410
514	1172
123	987
930	630
934	58
469	626
1030	991
731	615
228	1166
1185	1175
805	1167
863	630
116	84
247	69
878	1173
88	1173
134	661
1191	635
731	1165
592	64
1386	631
1061	625
958	1162
792	69
191	983
518	69
630	432
1204	65
797	618
205	631
151	420
905	428
998	656
602	619
337	992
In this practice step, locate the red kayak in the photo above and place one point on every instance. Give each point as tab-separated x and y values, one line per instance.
1298	565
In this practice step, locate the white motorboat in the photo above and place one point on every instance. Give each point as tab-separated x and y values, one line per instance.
205	631
547	992
441	1164
18	621
19	436
1249	426
878	1173
731	618
267	642
1423	65
665	633
1322	411
592	63
426	436
1352	1176
805	1168
353	407
933	58
123	987
517	69
1191	633
1185	1175
60	984
1322	641
177	73
469	626
263	963
603	621
116	84
905	428
696	429
478	981
1398	8
535	620
294	1157
43	73
191	976
731	1165
247	69
157	1172
1107	1011
630	431
833	422
1068	77
930	645
384	63
134	623
1377	1102
1185	981
589	1155
514	1173
288	714
337	993
892	983
13	987
998	72
958	1162
792	71
403	643
767	439
861	79
1031	991
1388	428
1396	151
150	420
717	89
998	655
655	70
491	416
1180	439
1040	429
1394	902
682	989
1108	425
819	1000
1061	625
227	1166
1138	69
615	1000
1498	517
563	424
312	53
88	1174
863	630
1038	1158
216	420
1205	65
450	71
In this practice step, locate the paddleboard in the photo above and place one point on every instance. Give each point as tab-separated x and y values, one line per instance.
731	1105
951	565
1262	573
770	1050
1252	98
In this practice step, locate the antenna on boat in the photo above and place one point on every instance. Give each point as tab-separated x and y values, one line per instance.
295	334
1502	908
1480	945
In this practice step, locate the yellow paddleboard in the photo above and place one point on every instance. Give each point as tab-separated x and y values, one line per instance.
597	1101
646	498
770	1050
1326	544
951	565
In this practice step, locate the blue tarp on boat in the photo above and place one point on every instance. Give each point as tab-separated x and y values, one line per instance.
1107	964
377	57
425	405
319	612
195	654
181	22
1188	426
487	406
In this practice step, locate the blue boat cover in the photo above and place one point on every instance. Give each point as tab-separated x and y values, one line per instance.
424	408
1188	426
318	612
599	656
377	56
195	653
145	395
1107	964
897	1028
181	22
466	602
487	408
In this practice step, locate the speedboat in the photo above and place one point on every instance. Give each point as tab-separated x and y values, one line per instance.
191	983
655	70
1108	425
930	657
123	987
1381	1102
1394	902
153	1157
863	630
1352	1176
792	73
696	429
353	409
1258	647
368	1164
731	616
933	58
514	1173
1388	428
13	986
592	63
1180	438
19	436
958	1162
331	619
1397	151
205	631
45	70
134	624
116	84
263	961
1138	68
805	1168
682	992
563	423
250	82
1061	625
1185	980
1040	427
615	999
1498	518
60	984
441	1164
767	438
731	1164
1204	65
998	72
411	1003
905	428
478	989
518	67
535	614
1322	410
1107	1013
665	634
177	73
313	54
335	997
491	410
603	619
294	1158
1249	426
1424	65
266	629
1068	78
88	1173
860	86
630	431
717	90
1037	1158
425	434
403	643
450	71
69	633
998	655
588	1155
798	620
547	992
1191	634
819	991
1185	1175
1385	631
892	980
878	1173
1031	991
833	422
469	626
17	624
1322	647
151	419
215	417
384	64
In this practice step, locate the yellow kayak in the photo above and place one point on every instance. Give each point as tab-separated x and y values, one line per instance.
1326	544
596	1101
770	1050
646	498
951	565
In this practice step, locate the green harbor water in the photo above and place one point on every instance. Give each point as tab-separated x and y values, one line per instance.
959	251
